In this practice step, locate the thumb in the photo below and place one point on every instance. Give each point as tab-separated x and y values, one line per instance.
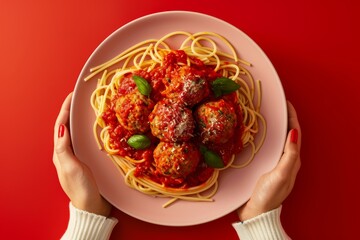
288	159
63	151
289	163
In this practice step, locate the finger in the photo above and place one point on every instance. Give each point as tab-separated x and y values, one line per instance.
63	116
63	154
289	163
292	145
294	122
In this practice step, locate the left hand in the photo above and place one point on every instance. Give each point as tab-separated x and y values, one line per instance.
76	179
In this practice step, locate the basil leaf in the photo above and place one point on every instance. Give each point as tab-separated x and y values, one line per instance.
139	141
212	159
142	85
222	86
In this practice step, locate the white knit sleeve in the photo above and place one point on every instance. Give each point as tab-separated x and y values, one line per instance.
88	226
265	226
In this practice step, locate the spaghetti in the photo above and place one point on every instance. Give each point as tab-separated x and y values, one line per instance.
172	99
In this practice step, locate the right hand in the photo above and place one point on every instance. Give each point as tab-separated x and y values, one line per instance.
273	187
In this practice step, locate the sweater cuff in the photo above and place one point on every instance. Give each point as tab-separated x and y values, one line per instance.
85	225
264	226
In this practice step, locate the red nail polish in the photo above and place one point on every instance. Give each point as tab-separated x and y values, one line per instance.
61	130
294	135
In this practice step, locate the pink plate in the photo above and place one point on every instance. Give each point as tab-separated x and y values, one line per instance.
235	186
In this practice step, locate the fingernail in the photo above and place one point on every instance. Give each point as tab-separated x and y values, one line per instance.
294	135
61	130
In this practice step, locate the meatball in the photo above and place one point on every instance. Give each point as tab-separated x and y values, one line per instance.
171	121
176	160
132	111
186	86
216	121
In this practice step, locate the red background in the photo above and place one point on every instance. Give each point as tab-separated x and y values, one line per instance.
314	45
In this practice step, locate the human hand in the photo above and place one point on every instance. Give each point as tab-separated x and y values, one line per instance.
273	187
76	179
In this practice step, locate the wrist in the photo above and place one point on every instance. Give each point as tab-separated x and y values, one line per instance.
247	211
97	206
